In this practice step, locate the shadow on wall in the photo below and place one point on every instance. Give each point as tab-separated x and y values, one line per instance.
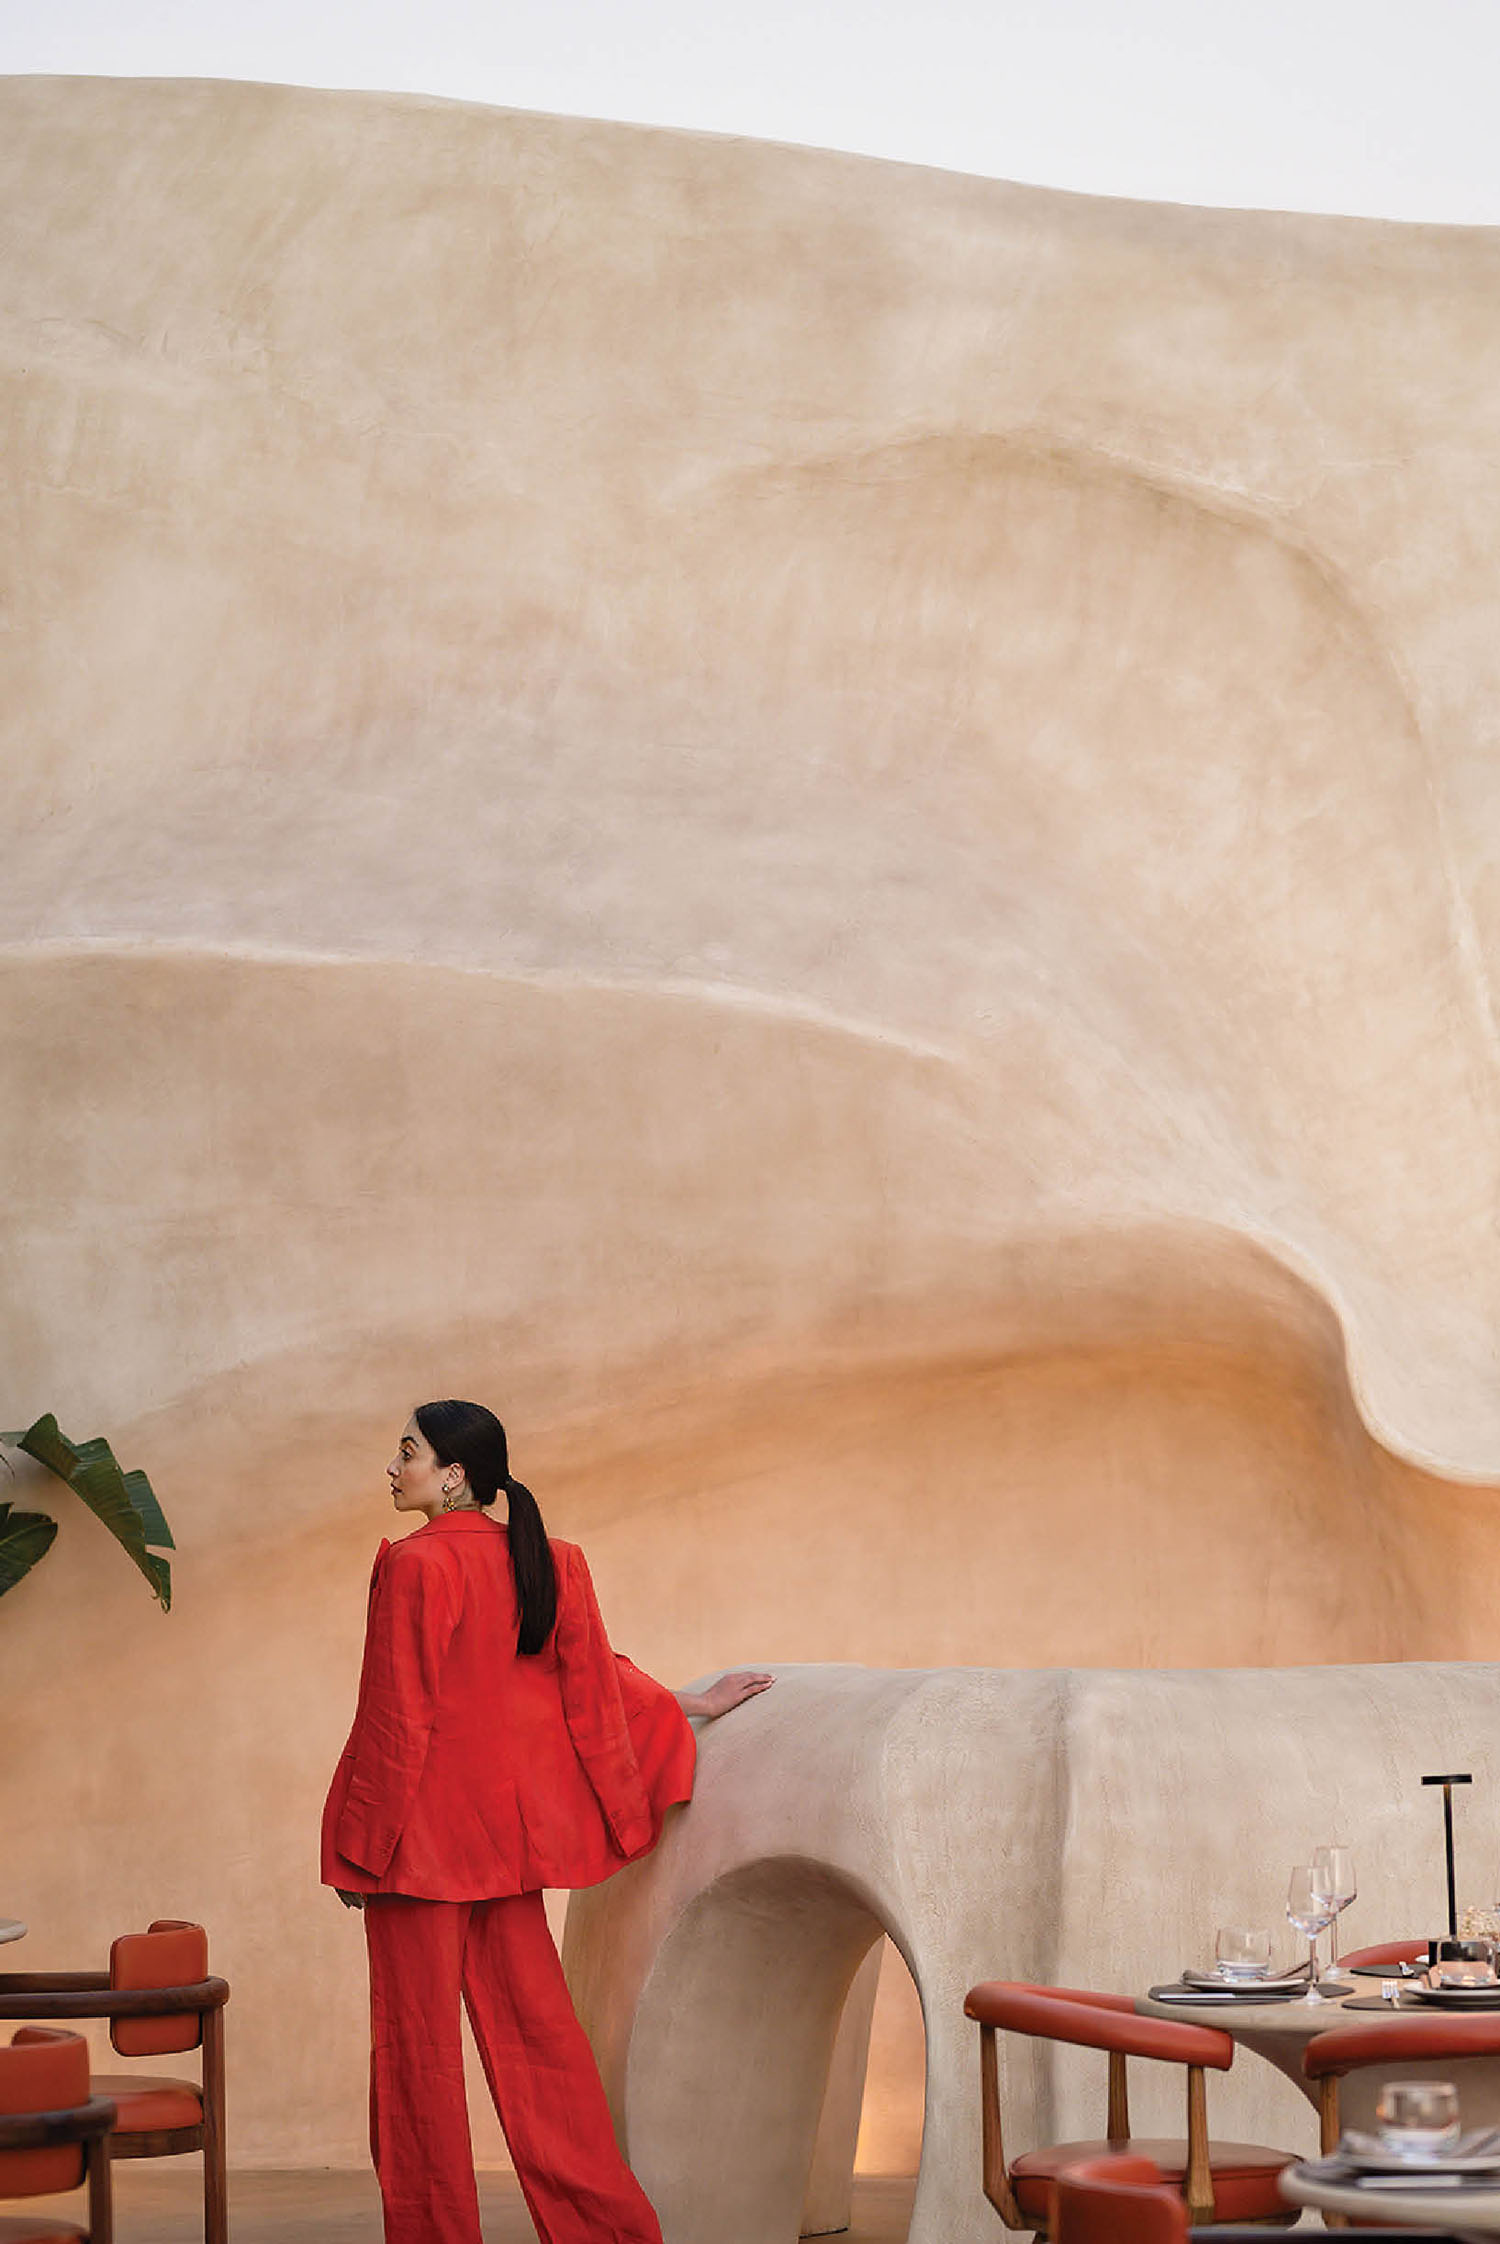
834	1411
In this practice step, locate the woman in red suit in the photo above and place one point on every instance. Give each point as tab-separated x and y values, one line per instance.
499	1746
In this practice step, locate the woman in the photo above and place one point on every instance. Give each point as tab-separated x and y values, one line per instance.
498	1747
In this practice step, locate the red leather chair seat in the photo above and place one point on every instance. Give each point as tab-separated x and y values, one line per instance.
1245	2174
20	2229
145	2105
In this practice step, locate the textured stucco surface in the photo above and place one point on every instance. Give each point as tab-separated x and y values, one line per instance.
829	829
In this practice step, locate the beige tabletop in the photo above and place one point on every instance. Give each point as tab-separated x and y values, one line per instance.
1470	2212
1280	2031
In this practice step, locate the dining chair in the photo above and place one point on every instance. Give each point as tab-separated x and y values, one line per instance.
160	2001
1235	2180
1386	1952
1125	2200
53	2135
1395	2040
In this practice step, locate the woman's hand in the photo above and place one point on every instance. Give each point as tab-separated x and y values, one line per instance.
350	1900
729	1692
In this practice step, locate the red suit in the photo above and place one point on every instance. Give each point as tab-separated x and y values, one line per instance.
473	1777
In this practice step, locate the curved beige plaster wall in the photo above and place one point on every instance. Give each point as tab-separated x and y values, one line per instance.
827	827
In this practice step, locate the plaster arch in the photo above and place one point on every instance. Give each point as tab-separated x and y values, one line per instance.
767	1960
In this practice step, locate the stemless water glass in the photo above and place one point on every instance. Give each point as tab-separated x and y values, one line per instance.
1333	1868
1418	2118
1311	1913
1240	1953
1465	1963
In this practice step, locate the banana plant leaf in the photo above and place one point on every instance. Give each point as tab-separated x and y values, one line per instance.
126	1502
24	1538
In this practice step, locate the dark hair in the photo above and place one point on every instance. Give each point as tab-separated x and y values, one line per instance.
465	1433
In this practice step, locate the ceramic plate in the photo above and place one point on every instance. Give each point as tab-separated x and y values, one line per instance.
1475	2153
1226	1998
1241	1983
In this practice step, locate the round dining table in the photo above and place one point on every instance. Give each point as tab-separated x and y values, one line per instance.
1280	2031
1462	2212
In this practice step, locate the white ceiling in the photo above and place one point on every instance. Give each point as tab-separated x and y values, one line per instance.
1357	106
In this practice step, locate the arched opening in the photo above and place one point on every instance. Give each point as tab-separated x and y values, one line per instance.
888	2148
744	2105
869	2145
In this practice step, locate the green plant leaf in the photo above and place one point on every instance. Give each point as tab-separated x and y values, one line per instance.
24	1538
125	1502
152	1518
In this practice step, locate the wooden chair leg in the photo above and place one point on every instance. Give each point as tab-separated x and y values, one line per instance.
1198	2182
1329	2130
996	2180
215	2165
101	2202
1117	2126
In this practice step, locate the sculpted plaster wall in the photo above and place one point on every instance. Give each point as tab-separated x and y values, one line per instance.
828	828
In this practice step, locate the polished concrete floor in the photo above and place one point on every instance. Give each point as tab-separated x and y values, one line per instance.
155	2205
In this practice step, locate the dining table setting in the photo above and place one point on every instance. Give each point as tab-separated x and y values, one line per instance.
1418	2140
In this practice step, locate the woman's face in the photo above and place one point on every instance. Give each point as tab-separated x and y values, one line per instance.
419	1483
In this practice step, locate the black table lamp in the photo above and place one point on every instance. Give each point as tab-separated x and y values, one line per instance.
1447	1783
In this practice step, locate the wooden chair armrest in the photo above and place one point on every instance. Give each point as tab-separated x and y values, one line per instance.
1019	2009
45	1982
103	2001
43	2130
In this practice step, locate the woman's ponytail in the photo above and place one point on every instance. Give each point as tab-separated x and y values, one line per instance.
531	1564
465	1433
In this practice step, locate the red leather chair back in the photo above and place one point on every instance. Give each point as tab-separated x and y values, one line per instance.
171	1954
42	2070
1396	2040
1117	2201
1108	2023
1386	1952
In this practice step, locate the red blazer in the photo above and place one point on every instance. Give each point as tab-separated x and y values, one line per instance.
472	1770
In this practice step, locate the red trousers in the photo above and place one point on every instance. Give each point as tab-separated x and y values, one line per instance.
537	2060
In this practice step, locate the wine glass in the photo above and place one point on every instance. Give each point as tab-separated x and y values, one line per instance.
1333	1870
1310	1912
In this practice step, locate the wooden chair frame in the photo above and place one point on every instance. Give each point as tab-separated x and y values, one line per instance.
1118	2031
1197	2184
88	2124
50	1996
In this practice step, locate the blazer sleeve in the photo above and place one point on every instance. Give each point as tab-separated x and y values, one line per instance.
414	1608
595	1709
